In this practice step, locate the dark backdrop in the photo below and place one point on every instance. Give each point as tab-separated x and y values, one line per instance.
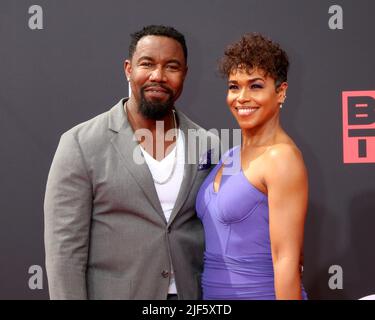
71	70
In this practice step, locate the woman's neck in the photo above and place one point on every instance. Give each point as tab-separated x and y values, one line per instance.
260	136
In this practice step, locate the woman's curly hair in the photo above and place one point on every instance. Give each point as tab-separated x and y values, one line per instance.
254	50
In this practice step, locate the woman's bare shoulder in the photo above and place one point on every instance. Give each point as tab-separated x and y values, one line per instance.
284	159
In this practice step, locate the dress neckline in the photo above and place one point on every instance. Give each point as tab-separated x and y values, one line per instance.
220	165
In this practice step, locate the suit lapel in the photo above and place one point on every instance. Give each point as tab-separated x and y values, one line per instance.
126	146
190	169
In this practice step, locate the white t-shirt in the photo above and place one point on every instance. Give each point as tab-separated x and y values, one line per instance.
168	192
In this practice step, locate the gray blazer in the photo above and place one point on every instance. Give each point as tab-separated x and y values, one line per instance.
106	236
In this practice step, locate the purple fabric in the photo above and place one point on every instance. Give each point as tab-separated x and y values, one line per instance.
237	259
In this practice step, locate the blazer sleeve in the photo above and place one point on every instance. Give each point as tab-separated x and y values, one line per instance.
67	216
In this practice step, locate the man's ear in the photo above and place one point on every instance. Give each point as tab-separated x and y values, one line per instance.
127	69
186	71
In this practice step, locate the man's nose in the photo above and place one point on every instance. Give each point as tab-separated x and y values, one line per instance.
157	75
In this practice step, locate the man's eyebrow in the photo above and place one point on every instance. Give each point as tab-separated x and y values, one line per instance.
145	58
148	58
174	61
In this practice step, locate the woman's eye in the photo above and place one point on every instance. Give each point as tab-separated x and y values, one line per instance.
232	87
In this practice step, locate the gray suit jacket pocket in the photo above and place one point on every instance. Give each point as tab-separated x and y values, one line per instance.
107	287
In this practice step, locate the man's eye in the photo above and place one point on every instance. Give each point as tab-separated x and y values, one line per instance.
146	64
233	87
172	67
256	86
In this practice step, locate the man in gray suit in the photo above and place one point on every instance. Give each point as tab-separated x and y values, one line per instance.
120	220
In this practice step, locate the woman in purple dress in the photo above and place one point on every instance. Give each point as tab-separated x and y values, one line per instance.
253	203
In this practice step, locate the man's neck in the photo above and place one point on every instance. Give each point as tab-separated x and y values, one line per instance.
151	134
138	121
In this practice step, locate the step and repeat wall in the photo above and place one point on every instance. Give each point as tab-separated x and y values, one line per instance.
61	63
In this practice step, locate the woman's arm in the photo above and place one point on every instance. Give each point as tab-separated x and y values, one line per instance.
287	186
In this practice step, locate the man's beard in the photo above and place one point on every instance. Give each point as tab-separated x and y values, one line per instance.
156	110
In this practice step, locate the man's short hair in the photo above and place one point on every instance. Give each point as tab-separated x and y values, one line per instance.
157	30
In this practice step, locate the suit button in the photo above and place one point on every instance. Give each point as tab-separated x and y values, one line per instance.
165	274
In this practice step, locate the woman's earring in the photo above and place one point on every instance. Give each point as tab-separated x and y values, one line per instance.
281	105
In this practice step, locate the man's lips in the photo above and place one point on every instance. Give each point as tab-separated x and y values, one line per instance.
156	90
246	111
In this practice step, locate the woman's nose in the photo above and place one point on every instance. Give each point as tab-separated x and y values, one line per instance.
244	96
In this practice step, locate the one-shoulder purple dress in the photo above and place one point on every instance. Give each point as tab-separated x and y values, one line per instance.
237	258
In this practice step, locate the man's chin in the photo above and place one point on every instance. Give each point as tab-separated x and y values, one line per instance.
155	111
156	101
